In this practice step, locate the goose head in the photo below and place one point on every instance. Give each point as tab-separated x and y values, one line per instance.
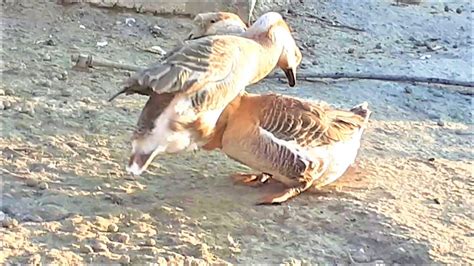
213	23
272	29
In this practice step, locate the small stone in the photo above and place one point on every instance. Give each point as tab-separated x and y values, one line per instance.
112	228
27	108
46	57
122	238
63	75
86	249
124	259
3	216
441	123
315	62
50	42
99	246
43	186
350	50
9	92
2	92
408	90
459	10
150	242
446	8
6	105
46	83
9	222
455	46
436	201
378	46
66	93
31	182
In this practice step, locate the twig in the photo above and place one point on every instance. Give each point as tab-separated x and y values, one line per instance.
333	23
398	78
86	61
89	61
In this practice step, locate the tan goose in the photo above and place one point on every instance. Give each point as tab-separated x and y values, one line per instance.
192	86
299	143
284	133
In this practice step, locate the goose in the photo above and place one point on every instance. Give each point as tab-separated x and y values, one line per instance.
301	143
190	88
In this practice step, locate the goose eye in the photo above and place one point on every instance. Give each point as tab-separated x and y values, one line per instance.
213	21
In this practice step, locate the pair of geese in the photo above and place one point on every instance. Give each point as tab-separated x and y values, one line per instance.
197	99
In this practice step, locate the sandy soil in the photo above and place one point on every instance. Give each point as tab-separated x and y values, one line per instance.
66	198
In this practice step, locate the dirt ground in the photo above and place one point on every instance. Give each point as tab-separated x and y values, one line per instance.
66	198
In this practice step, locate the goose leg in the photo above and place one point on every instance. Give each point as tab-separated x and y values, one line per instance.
280	197
252	180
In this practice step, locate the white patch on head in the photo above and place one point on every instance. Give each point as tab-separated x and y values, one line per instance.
134	169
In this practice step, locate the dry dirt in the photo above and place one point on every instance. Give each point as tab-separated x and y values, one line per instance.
67	200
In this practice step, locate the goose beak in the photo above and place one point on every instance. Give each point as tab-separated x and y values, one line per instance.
190	37
138	163
291	76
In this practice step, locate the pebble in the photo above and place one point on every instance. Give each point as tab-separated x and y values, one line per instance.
50	42
122	238
86	249
66	93
441	123
99	246
9	222
124	259
63	75
2	216
6	105
46	57
350	50
31	182
112	228
150	242
43	186
9	92
46	83
27	108
459	10
378	46
2	92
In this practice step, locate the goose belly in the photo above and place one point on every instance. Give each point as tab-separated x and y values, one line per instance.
339	155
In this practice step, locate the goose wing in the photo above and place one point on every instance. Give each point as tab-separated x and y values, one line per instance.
306	123
193	68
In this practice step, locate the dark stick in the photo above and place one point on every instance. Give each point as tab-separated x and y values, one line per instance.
399	78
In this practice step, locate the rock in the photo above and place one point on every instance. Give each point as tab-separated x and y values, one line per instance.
46	83
2	92
50	42
31	182
446	8
9	92
156	31
99	246
102	43
130	21
124	259
360	256
66	93
9	222
27	108
63	75
6	105
2	216
86	249
43	186
459	10
122	238
378	46
350	50
46	57
112	228
150	242
441	123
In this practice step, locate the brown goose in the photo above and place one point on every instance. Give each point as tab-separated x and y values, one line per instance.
297	142
192	86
